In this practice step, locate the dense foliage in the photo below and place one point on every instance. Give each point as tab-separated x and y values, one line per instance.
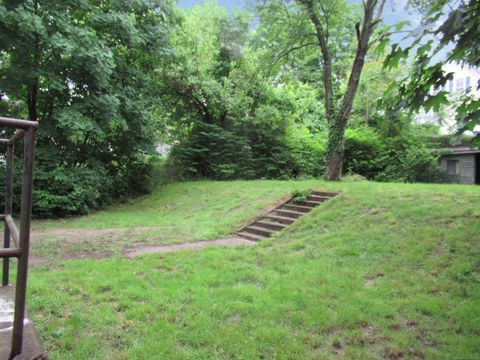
240	99
231	122
250	106
82	69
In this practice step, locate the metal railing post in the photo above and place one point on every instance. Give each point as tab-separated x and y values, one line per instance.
25	214
8	210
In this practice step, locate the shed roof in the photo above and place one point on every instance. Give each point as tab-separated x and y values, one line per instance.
460	150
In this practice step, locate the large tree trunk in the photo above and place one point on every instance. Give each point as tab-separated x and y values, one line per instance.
334	153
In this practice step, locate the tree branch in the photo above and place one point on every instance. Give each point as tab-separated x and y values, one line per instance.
327	58
290	50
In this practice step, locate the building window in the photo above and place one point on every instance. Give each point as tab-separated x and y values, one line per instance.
467	83
450	86
459	85
452	167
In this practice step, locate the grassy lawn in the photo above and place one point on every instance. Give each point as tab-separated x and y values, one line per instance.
175	213
381	271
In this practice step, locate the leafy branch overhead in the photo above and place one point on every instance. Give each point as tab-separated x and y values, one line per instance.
455	24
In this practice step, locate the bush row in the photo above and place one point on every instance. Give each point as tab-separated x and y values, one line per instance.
62	191
214	153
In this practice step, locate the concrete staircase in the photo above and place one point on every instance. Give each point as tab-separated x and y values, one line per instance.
283	215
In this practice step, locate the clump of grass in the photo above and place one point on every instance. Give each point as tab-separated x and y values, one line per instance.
299	195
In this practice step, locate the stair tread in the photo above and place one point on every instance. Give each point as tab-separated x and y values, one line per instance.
278	217
328	194
299	206
314	203
319	197
251	236
289	211
261	228
272	223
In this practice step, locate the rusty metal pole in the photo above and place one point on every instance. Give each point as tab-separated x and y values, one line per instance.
8	211
25	214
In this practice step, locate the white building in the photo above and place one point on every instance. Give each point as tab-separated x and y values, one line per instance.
163	149
465	80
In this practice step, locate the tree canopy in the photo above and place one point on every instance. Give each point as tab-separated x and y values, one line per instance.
287	89
82	69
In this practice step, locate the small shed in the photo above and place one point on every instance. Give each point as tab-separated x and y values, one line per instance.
461	165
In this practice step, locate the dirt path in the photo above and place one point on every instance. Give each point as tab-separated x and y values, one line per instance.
229	242
73	243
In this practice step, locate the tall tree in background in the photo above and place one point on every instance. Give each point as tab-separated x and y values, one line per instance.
342	31
319	12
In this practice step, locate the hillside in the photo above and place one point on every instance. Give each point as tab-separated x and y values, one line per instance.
381	271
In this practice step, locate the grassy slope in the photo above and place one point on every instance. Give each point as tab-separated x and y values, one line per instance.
180	212
191	206
382	271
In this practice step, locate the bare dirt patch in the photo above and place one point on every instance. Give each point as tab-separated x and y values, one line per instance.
79	243
82	235
233	241
370	280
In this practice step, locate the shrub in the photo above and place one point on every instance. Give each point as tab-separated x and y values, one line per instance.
211	152
133	178
419	165
247	153
307	151
401	158
300	195
67	191
408	160
364	152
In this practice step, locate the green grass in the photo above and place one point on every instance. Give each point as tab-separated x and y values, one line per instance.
181	212
381	271
195	206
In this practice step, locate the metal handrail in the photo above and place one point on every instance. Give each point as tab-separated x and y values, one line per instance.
18	135
20	238
17	123
12	228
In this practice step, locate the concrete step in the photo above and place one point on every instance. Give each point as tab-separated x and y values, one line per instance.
288	213
280	219
318	198
270	224
250	236
296	207
259	230
324	193
308	203
31	348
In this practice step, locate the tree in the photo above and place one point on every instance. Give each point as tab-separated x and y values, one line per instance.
333	28
82	69
338	117
229	119
196	79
